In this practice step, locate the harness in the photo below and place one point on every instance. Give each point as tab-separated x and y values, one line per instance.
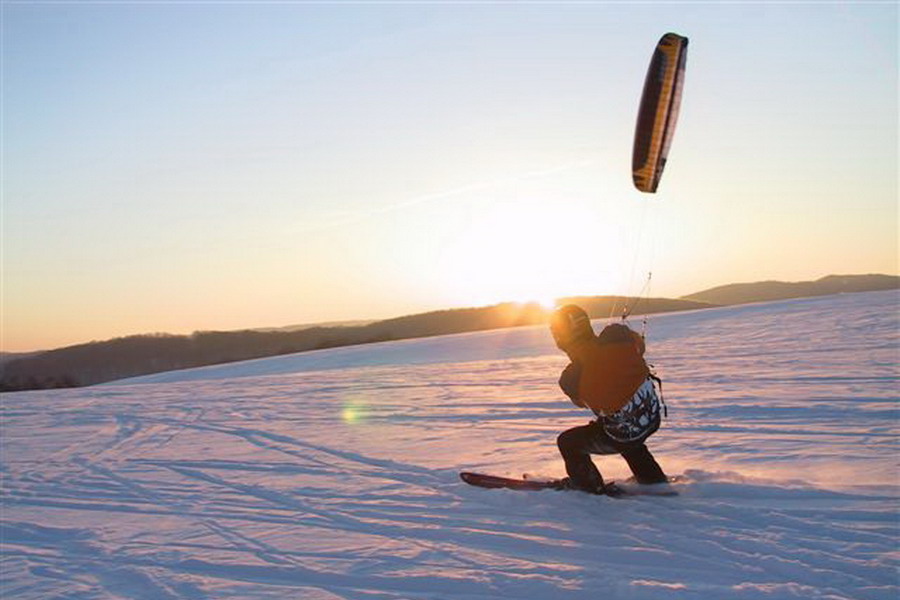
639	418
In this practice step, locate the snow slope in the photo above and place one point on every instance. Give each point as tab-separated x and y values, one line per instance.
333	474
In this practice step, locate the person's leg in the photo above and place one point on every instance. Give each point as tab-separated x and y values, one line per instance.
576	445
643	465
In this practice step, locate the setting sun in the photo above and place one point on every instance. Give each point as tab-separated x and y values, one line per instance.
534	251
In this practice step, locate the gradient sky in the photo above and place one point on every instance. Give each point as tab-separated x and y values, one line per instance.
171	167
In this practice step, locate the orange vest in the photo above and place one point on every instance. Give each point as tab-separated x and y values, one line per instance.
611	372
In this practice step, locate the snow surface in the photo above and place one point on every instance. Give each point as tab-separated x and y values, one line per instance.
333	474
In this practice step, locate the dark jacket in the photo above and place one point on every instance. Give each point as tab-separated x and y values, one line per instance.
606	370
609	376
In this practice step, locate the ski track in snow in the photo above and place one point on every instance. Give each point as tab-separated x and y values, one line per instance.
334	474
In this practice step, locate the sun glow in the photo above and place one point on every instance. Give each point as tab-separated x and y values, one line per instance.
529	252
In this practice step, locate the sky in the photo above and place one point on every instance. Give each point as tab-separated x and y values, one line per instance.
182	166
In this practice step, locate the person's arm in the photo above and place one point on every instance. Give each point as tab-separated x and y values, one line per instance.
568	381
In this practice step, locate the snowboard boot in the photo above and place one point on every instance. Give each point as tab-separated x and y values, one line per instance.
604	489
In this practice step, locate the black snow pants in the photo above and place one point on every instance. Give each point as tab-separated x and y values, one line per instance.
577	444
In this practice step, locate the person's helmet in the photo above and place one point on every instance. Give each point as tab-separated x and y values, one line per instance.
569	324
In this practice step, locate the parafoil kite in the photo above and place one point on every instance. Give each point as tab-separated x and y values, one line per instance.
659	111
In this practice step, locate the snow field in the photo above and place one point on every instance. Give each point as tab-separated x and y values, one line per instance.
334	474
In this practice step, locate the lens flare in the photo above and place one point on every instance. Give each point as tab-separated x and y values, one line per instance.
353	413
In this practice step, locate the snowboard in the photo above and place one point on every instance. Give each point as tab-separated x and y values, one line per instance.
531	485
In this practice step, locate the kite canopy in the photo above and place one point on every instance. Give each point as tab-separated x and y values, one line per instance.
659	111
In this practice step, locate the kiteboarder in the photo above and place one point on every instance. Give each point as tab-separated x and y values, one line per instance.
608	375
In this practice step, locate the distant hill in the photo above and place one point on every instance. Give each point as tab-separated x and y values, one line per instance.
301	327
765	291
600	307
97	362
6	357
